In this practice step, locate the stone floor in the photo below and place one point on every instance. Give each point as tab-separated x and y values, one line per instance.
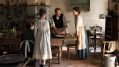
94	60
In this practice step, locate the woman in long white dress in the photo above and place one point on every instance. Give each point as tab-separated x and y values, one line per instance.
80	33
42	39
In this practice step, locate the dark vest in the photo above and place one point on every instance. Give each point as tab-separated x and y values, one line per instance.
58	23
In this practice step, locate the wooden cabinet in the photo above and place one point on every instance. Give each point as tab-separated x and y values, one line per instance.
111	26
111	31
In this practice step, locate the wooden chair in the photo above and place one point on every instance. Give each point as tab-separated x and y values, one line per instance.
71	46
95	36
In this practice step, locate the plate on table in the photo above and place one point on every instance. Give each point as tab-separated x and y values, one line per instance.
59	35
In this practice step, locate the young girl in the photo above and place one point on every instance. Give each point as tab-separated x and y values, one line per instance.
27	38
42	39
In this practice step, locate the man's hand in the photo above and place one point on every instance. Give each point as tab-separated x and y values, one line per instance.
53	30
63	32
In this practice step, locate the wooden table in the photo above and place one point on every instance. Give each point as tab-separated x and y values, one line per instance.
59	42
9	44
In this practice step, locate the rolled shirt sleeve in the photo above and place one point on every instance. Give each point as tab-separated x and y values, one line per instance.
64	21
52	23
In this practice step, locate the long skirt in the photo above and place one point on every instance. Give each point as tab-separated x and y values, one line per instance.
83	53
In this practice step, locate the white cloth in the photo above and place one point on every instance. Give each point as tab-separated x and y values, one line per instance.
81	33
27	46
42	48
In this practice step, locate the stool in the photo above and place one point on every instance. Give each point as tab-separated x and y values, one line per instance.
69	46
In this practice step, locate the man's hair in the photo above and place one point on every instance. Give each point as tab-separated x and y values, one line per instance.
42	12
56	9
77	9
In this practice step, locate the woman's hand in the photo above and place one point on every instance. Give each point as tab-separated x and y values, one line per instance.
77	34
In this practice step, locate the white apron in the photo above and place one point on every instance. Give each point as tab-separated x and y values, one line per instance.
81	33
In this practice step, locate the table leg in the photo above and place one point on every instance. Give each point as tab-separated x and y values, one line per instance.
49	64
95	41
60	55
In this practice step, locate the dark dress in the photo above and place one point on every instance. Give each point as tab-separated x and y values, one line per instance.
27	35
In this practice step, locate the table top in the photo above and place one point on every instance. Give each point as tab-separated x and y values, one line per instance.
9	40
57	41
69	37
